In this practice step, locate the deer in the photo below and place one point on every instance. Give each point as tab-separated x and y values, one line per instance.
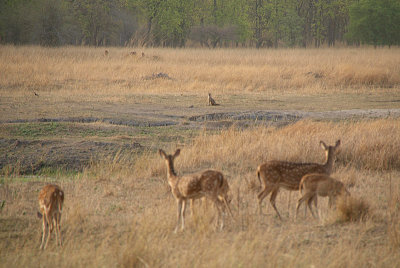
319	185
51	199
106	52
210	184
211	101
282	174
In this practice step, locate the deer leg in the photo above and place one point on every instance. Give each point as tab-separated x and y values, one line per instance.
59	227
228	207
315	199
301	200
50	230
264	193
217	204
44	230
55	218
309	201
221	214
272	201
183	214
179	202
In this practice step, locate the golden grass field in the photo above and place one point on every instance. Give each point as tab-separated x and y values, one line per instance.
119	211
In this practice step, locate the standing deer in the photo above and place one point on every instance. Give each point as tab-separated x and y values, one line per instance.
51	199
319	185
210	184
277	174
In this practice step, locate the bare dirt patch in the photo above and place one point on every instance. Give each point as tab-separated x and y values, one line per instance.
26	156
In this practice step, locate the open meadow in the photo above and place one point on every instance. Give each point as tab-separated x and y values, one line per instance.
93	123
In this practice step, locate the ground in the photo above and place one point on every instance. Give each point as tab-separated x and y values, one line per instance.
93	124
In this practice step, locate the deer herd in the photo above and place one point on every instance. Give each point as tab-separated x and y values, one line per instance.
310	179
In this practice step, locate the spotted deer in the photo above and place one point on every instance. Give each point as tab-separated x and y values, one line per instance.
210	184
319	185
211	101
51	199
287	175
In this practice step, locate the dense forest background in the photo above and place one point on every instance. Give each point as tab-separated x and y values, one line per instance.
206	23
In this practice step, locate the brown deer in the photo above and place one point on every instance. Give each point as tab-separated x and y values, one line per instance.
51	199
277	174
211	101
319	185
210	184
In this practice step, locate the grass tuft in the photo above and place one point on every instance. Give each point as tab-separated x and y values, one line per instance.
351	209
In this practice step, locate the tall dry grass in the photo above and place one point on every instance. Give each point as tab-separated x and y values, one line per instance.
83	71
120	211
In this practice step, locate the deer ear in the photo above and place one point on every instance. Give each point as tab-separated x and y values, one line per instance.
323	145
177	152
162	153
337	143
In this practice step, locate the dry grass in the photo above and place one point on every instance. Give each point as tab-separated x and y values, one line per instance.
352	209
120	212
82	82
79	71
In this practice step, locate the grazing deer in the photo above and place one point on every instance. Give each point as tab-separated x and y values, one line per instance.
211	101
51	199
222	196
277	174
319	185
210	184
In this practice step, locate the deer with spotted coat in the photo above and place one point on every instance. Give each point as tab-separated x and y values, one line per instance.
281	174
210	184
51	199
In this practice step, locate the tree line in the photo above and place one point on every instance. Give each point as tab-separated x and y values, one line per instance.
207	23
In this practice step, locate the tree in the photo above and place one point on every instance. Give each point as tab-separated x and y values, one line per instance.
95	21
219	22
375	22
51	23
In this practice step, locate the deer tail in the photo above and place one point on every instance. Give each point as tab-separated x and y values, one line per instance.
258	175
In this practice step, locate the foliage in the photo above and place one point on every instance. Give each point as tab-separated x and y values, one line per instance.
375	22
211	23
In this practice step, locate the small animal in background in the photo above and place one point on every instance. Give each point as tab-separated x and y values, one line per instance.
132	53
315	185
106	52
51	199
211	101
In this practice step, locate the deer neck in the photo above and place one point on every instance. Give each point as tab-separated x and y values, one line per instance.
171	174
330	159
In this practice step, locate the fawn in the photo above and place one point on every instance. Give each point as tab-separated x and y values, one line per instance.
319	185
277	174
51	199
